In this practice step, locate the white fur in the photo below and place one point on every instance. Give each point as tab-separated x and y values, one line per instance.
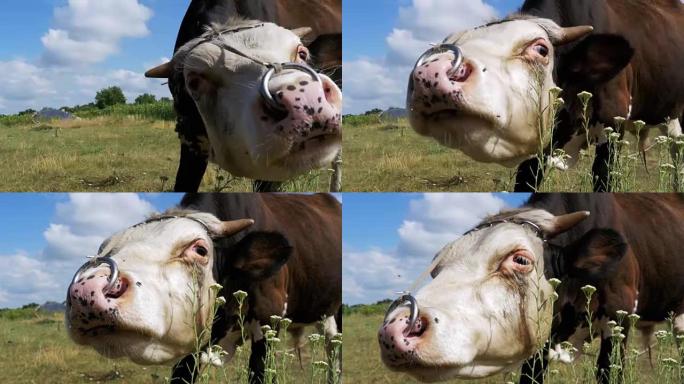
503	99
155	322
478	333
240	141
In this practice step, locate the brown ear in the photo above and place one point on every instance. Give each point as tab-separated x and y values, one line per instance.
595	255
302	32
259	255
596	59
163	71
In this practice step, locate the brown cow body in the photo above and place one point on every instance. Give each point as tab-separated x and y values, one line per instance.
650	88
307	289
646	281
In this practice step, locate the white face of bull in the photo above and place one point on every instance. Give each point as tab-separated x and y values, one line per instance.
161	296
487	309
490	107
246	136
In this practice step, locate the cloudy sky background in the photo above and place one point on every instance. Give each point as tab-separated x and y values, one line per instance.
390	239
46	237
383	39
56	53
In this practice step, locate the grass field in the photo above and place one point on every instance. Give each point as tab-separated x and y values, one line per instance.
109	153
36	349
361	356
390	156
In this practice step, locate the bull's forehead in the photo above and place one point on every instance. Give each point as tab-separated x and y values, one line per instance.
478	252
500	38
160	236
268	43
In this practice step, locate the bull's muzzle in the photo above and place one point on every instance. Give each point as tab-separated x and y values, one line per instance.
96	262
442	48
409	300
266	79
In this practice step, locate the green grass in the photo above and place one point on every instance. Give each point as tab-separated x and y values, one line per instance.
390	156
36	349
113	153
361	356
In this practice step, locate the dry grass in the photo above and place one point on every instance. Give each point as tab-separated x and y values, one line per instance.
113	154
38	350
390	156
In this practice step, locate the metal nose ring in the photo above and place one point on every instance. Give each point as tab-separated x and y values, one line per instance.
442	48
413	307
266	79
96	262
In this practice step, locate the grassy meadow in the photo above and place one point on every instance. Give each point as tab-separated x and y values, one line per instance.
362	364
36	349
381	155
121	149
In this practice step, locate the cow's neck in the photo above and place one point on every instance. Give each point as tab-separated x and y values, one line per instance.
601	206
220	10
567	13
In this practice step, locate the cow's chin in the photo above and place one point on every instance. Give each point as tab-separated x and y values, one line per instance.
140	350
281	159
138	346
432	374
477	135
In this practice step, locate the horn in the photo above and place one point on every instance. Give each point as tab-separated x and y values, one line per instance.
564	222
570	34
234	226
301	32
163	71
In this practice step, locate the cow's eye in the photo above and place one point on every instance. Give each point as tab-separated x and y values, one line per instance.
202	251
541	49
302	53
520	261
538	51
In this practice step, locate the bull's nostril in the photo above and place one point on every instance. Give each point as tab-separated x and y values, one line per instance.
419	328
119	289
462	73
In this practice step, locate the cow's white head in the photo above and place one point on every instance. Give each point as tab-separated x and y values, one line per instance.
147	296
486	91
251	133
489	306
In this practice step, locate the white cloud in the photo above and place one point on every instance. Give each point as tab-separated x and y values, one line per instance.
374	274
89	31
84	33
35	87
383	84
439	218
433	220
79	226
23	81
83	222
26	279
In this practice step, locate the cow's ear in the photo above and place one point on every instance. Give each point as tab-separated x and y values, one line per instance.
259	255
595	255
596	59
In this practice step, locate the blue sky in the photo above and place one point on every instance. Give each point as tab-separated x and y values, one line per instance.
136	35
389	238
45	237
382	39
